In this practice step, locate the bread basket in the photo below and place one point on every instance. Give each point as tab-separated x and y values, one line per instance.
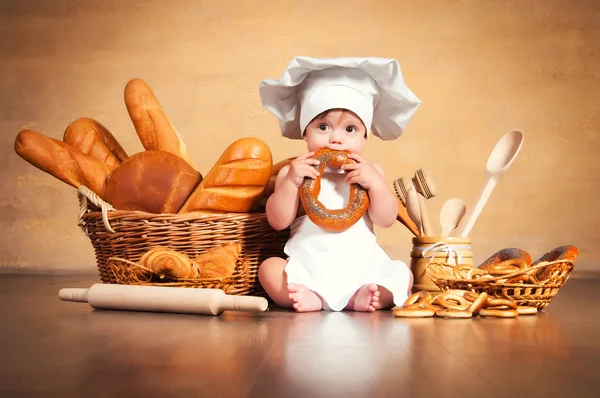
544	281
121	237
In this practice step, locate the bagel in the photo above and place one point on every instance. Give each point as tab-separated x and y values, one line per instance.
460	271
562	253
471	296
332	220
504	255
413	312
518	279
476	273
498	313
526	310
417	298
567	252
478	303
453	301
499	302
507	267
453	314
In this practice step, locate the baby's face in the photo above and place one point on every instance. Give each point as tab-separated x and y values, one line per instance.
337	129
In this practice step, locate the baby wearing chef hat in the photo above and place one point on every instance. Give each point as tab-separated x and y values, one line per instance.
335	103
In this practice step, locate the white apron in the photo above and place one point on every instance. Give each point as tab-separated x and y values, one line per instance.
336	264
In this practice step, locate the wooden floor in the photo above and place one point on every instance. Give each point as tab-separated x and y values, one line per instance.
54	348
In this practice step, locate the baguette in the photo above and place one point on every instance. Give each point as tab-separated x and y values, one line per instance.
62	161
151	181
237	180
93	139
152	125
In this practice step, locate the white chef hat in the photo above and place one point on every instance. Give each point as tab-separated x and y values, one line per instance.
372	88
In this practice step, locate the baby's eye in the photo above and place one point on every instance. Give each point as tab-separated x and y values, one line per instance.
351	129
323	127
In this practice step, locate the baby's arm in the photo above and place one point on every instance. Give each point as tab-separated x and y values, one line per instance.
282	205
383	205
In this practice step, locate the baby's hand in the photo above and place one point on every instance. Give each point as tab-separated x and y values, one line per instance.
302	167
363	172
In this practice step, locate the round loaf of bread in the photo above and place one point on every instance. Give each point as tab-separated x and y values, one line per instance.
151	181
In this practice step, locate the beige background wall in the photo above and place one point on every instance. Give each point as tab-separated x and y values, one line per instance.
481	68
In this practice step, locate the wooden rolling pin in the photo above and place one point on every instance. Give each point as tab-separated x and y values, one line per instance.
162	299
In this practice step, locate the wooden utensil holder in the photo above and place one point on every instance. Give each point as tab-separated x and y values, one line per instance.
438	250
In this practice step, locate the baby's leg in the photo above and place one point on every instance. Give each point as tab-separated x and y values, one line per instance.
272	277
370	298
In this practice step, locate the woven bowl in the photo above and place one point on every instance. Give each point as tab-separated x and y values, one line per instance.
124	236
544	281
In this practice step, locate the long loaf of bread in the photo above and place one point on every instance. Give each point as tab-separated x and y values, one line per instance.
92	138
61	160
270	188
237	180
155	130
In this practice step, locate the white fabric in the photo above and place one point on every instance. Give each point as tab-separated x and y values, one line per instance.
336	265
337	87
310	86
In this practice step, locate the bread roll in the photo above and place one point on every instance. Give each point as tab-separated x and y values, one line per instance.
150	121
170	263
218	262
61	160
93	139
237	180
151	181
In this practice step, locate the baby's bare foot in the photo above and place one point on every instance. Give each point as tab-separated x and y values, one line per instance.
365	299
304	300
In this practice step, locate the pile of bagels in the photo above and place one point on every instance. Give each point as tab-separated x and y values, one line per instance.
456	303
161	179
511	266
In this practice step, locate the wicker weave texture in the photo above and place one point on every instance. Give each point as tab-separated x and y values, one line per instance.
129	273
545	280
137	232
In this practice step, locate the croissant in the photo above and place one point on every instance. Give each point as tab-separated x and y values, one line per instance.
169	263
218	262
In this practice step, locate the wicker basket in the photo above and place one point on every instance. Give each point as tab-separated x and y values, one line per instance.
129	273
545	279
124	236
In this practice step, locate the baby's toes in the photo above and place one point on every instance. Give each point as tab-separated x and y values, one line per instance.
292	287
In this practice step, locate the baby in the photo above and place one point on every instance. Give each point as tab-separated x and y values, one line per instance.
335	103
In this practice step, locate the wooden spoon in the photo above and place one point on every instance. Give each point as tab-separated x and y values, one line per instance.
501	158
451	213
425	186
403	187
403	216
412	207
